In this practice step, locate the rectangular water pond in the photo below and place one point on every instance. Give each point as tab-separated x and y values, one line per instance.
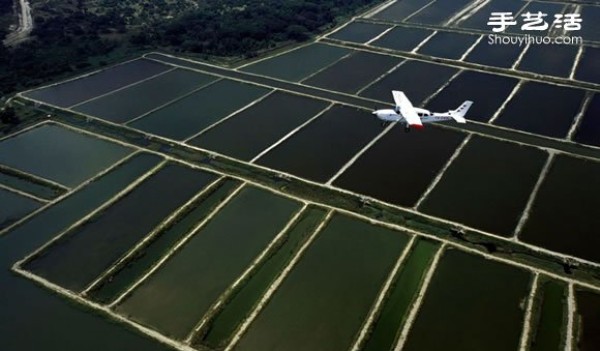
564	215
587	320
401	296
256	128
489	53
588	131
590	28
552	60
194	278
134	101
487	91
550	317
117	283
240	306
400	10
417	79
402	38
359	32
353	72
448	45
552	118
322	303
14	206
439	11
31	185
588	69
487	186
45	225
320	149
81	89
402	180
300	63
199	110
88	250
471	304
60	154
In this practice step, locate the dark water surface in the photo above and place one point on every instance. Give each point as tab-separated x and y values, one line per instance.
564	216
472	304
32	316
359	32
85	88
60	154
256	128
312	309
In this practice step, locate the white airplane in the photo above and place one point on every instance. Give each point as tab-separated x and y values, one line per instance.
413	117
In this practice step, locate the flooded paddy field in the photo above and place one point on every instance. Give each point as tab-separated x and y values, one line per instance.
126	104
312	309
335	137
401	180
552	60
193	113
439	12
116	284
359	32
402	38
480	18
416	78
299	63
488	54
549	323
354	72
552	118
564	215
87	87
448	45
401	296
71	263
25	305
192	280
239	307
254	129
587	320
488	91
588	69
588	131
512	169
400	10
471	304
14	206
59	154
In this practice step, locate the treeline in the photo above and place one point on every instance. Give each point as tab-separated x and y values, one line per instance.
237	27
73	41
59	45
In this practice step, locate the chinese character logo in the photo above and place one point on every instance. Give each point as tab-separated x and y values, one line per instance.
536	21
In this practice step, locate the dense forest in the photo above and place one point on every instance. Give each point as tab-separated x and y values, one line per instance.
67	41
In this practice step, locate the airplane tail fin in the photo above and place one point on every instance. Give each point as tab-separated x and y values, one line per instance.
460	113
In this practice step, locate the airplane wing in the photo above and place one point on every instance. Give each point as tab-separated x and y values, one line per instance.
406	108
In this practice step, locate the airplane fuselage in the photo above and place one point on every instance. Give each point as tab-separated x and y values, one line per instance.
412	117
390	116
